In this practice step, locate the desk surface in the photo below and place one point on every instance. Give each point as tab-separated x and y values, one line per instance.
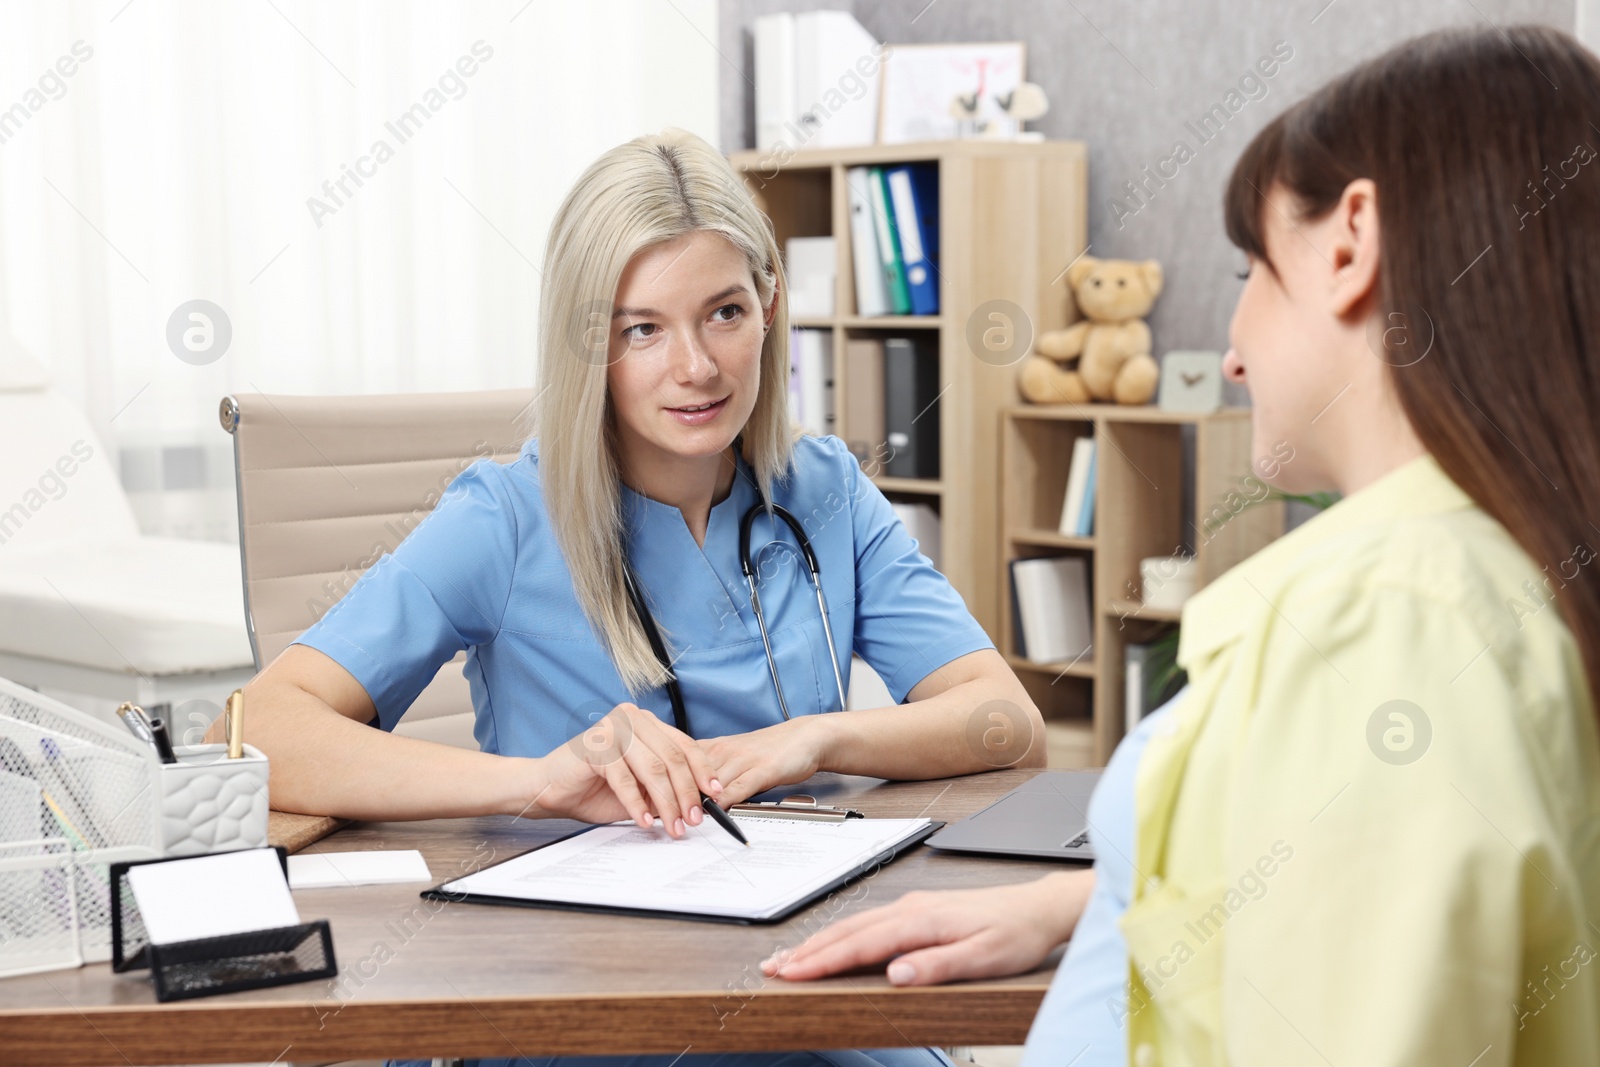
421	978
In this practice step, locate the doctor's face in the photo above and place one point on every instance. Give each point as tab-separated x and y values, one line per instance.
685	347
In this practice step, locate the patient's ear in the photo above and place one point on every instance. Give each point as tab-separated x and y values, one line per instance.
1354	247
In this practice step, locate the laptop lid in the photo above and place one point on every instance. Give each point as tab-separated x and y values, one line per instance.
1047	817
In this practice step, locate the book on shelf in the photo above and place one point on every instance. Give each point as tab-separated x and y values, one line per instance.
1079	489
910	407
922	523
1086	510
863	400
811	380
1053	607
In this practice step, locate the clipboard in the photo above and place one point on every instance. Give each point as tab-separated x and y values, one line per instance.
887	855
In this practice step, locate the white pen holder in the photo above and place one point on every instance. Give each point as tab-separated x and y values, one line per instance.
211	803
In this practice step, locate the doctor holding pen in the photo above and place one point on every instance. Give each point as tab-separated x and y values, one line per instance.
1368	832
662	468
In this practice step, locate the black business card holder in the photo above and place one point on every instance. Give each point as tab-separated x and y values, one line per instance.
206	966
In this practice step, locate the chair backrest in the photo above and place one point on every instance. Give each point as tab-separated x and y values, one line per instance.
327	485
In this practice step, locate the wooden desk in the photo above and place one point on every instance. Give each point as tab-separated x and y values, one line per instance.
421	978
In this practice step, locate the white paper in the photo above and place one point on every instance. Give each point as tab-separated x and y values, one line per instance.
208	896
705	873
323	869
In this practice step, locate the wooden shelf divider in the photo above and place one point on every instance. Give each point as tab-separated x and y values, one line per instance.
1139	500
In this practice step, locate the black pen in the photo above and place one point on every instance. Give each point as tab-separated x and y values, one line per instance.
158	734
721	817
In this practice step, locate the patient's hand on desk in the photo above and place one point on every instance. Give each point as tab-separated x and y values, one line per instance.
947	935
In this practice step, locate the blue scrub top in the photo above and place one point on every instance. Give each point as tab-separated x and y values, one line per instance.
484	572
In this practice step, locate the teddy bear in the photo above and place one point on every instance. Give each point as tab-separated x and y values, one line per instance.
1111	343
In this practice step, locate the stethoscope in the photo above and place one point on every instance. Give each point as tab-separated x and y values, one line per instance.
680	715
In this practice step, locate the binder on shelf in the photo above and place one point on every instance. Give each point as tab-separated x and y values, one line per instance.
914	197
910	408
776	113
863	399
1053	598
894	271
811	380
872	294
799	61
827	46
1077	482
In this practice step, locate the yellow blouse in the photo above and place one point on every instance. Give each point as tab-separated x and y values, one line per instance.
1371	833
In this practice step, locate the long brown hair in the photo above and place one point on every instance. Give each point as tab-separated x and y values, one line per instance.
1488	184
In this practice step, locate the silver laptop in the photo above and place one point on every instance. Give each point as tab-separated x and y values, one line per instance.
1046	817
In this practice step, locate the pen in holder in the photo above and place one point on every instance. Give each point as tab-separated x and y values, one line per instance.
210	803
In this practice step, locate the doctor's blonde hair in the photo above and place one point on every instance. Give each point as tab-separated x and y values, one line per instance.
653	188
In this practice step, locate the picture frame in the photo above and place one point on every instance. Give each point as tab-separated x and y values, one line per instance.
920	81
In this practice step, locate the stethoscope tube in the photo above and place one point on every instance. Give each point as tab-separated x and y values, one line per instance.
804	542
680	713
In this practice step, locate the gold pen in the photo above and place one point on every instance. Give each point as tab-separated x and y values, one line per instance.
233	725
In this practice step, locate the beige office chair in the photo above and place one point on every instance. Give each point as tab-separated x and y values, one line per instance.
327	485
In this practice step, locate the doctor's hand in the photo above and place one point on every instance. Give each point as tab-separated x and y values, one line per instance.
629	765
947	935
780	754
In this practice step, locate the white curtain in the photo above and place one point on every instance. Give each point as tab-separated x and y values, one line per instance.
178	159
1587	19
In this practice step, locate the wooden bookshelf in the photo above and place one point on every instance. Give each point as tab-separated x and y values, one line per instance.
1011	217
1141	501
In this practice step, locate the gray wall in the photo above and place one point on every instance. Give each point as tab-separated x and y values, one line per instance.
1124	76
